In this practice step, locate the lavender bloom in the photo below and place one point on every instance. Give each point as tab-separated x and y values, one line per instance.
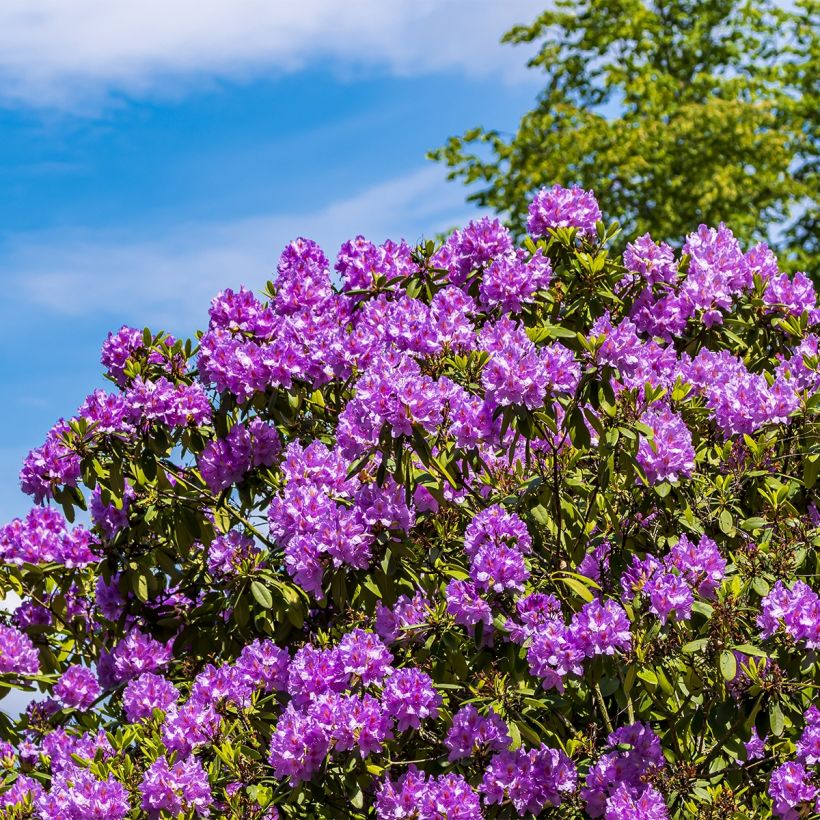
669	594
77	795
53	464
43	537
466	605
623	769
532	779
559	207
17	653
117	349
792	296
511	281
515	374
392	621
228	552
362	655
702	566
471	732
808	747
796	610
755	746
497	527
409	697
654	263
362	723
601	628
77	688
265	665
179	788
624	805
23	789
790	788
298	746
314	672
137	653
670	455
472	247
146	693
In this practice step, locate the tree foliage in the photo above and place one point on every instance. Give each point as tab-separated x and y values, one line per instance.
676	112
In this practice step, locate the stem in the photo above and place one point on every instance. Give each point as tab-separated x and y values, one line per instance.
599	697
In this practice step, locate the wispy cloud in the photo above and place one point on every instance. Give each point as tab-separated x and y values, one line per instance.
76	52
168	280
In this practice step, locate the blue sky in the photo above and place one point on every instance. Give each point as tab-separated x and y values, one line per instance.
152	154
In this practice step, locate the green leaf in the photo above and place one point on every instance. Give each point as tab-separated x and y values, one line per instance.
728	665
261	594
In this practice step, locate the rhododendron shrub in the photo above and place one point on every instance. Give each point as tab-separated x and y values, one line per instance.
450	531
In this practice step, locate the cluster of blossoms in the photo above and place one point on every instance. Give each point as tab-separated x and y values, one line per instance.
400	540
669	586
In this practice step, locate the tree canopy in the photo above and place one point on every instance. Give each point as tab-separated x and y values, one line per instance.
676	113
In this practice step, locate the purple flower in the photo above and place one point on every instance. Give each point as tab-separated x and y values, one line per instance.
532	779
654	263
137	653
702	566
601	628
795	610
466	605
669	456
409	697
755	746
117	349
363	723
362	655
18	654
559	207
43	537
625	805
808	747
314	672
391	622
495	526
790	788
472	732
512	280
77	688
146	693
227	553
669	594
298	746
179	788
265	665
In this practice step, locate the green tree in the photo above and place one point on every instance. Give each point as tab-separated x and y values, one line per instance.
674	112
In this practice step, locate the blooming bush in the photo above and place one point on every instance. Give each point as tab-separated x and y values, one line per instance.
456	531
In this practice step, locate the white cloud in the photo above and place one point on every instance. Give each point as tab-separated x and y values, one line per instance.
70	52
167	281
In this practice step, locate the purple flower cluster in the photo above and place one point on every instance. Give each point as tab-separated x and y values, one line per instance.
181	787
77	688
796	611
414	795
323	517
531	779
559	207
669	456
18	654
620	777
227	553
225	461
146	693
471	732
671	584
42	537
557	649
